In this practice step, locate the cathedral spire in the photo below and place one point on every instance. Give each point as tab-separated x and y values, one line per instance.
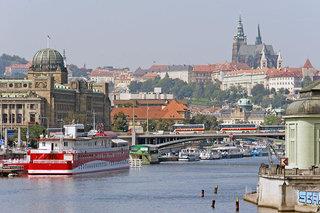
258	38
263	60
240	36
279	61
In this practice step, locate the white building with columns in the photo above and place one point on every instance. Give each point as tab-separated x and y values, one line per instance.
286	78
244	78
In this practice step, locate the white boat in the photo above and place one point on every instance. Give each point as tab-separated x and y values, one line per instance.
229	152
189	154
209	155
76	152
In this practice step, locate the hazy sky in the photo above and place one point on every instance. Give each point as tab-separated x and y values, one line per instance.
137	32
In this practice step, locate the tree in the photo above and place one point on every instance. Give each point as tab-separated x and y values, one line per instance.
152	126
279	100
7	60
166	84
271	120
164	125
198	90
34	134
209	121
234	93
72	117
135	86
120	122
258	92
306	81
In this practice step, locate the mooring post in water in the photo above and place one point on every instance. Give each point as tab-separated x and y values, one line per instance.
237	203
216	189
202	193
213	203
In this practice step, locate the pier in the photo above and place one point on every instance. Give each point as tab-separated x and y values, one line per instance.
6	171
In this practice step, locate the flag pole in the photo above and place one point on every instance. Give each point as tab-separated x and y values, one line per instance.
48	41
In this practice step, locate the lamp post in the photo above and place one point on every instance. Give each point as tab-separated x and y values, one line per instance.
147	118
133	130
47	121
61	121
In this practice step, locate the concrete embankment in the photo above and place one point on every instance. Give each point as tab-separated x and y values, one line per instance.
251	197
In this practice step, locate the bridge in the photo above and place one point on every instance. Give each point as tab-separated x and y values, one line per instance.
165	140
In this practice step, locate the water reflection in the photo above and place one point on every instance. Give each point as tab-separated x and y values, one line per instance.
169	187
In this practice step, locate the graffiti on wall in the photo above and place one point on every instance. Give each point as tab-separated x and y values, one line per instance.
309	197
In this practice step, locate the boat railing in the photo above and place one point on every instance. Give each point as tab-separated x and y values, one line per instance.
50	161
13	161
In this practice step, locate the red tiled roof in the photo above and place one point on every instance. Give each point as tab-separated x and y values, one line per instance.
158	68
220	67
307	64
204	68
171	111
150	75
20	66
100	73
285	72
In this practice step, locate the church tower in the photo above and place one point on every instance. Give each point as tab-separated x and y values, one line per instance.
258	38
263	60
279	61
238	39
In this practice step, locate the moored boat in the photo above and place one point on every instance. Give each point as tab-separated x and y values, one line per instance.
189	154
77	152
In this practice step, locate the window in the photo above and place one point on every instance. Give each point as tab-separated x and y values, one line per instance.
19	118
19	106
43	143
4	106
11	106
65	143
32	118
4	118
32	106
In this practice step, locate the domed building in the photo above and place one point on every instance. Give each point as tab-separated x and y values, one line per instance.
48	62
293	184
245	104
47	98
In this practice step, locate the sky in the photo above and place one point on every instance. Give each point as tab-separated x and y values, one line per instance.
137	33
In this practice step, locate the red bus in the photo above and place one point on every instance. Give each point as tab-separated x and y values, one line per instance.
224	128
188	128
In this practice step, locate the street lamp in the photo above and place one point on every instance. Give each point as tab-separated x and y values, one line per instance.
61	121
47	121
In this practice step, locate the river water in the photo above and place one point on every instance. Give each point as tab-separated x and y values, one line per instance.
167	187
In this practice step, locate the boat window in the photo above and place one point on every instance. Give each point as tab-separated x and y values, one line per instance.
43	143
55	144
65	143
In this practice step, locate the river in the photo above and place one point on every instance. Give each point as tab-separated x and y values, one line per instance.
167	187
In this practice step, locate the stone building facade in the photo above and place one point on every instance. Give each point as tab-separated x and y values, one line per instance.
47	98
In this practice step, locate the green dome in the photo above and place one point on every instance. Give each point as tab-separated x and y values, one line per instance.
47	60
244	102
